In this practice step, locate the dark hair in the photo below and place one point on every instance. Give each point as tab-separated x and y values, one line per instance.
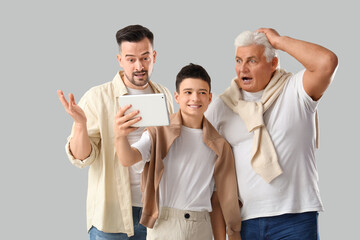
134	33
192	71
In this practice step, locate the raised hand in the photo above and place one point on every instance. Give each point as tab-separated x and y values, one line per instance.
123	123
272	35
72	108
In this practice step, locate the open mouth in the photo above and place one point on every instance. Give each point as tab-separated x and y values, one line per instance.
139	74
246	79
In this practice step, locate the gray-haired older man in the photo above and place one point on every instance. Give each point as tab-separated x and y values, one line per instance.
269	117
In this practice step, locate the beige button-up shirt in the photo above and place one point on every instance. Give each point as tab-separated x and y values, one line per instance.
109	206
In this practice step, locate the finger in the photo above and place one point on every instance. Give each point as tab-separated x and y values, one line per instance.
123	109
59	92
262	30
63	99
71	101
129	123
131	115
125	117
121	119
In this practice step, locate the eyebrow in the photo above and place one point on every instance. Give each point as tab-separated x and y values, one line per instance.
130	55
201	89
246	58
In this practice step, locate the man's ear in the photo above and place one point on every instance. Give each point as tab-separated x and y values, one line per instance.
274	63
119	59
154	56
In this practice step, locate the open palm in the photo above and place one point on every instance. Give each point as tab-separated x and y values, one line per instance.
72	108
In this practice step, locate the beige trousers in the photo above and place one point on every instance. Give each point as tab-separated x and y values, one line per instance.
175	224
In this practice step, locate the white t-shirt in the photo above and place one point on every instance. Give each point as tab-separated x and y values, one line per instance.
134	170
290	122
187	182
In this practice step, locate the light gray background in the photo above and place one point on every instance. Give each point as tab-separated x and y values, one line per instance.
70	45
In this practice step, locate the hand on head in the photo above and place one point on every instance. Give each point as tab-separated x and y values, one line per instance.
272	35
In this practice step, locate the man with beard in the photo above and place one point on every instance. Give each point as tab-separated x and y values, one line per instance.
114	198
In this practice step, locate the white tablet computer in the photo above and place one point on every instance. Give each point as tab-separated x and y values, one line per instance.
152	108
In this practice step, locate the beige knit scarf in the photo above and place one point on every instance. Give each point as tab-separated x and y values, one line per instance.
264	159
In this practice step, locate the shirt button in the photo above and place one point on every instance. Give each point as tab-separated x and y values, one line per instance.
187	216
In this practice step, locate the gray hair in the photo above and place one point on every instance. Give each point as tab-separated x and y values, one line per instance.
248	38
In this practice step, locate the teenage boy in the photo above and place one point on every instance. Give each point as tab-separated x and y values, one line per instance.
183	163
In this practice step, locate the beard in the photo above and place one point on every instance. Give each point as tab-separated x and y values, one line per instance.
138	81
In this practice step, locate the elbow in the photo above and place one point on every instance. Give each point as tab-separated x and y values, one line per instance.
333	61
215	199
124	163
329	64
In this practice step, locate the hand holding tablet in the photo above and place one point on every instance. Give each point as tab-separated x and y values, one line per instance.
152	109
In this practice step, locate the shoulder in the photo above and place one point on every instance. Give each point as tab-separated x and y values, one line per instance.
220	145
216	111
161	88
98	89
295	85
97	98
217	106
213	135
295	79
103	91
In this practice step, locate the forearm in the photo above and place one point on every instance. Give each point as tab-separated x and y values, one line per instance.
126	154
217	219
80	146
313	57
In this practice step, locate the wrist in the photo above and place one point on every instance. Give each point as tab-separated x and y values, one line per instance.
80	126
119	137
281	43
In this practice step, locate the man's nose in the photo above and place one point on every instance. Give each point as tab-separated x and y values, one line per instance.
243	67
139	66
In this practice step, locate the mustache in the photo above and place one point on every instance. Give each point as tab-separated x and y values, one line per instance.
139	72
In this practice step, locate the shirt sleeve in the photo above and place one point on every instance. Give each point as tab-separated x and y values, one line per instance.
81	163
308	102
144	146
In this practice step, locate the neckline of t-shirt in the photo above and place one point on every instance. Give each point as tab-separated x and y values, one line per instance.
147	90
192	130
252	96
